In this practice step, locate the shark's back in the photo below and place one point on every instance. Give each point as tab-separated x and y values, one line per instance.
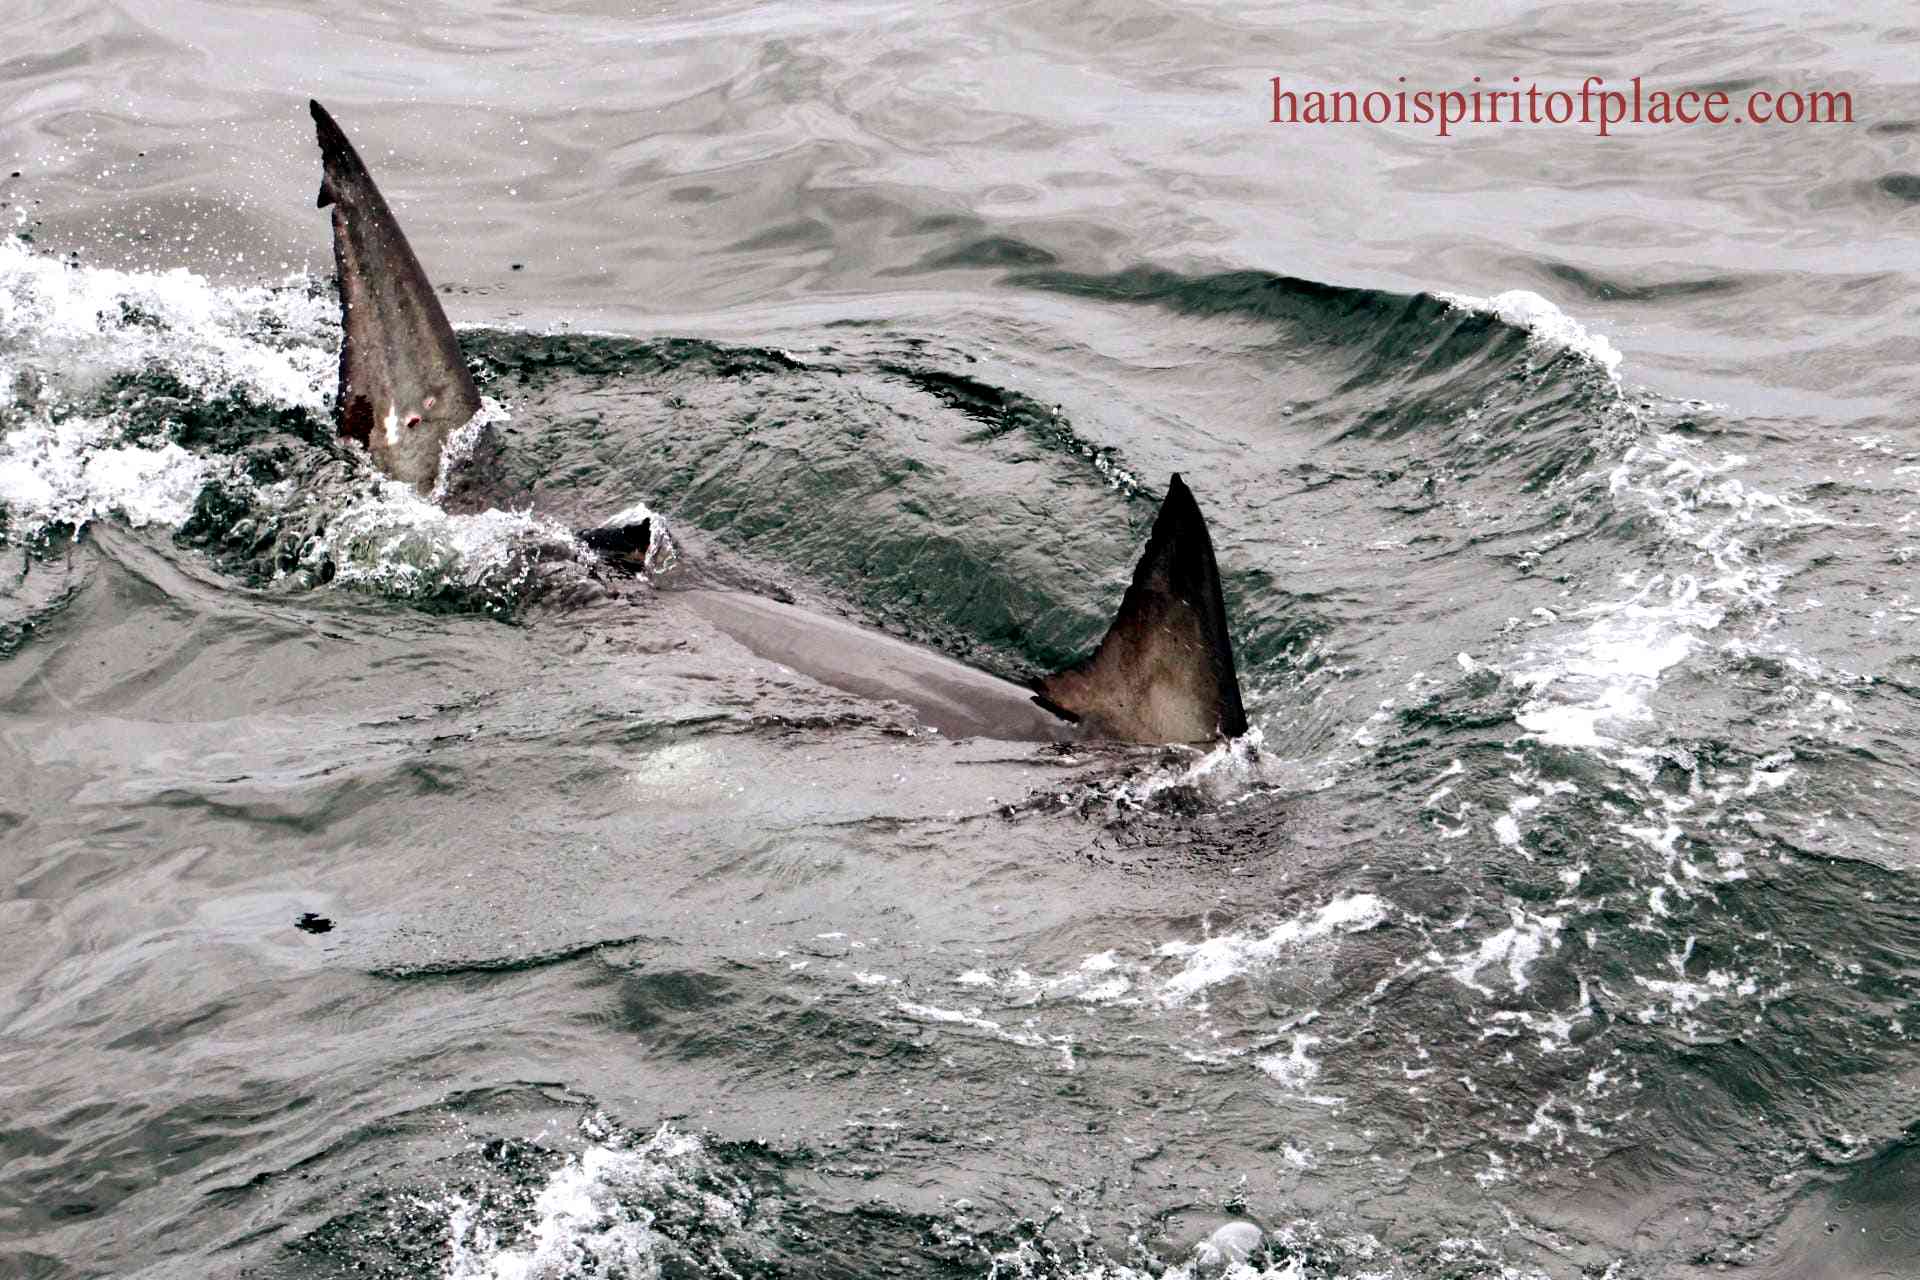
958	700
1164	672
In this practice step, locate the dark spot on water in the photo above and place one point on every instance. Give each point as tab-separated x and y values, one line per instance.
519	266
77	1210
1888	127
1901	186
311	923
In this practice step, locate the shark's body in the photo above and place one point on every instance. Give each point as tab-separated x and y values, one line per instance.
958	700
1164	672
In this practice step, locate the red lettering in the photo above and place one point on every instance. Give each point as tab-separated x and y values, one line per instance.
1594	104
1292	104
1613	109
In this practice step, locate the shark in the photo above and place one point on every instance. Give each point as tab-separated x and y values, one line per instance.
1163	673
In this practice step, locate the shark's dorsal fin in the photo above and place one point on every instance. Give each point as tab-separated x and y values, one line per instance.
1164	672
403	383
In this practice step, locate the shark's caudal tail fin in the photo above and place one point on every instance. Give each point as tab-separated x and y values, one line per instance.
1165	672
403	383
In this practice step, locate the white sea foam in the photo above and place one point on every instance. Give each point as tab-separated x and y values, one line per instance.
1549	326
460	443
1225	773
1292	1069
1684	995
1221	958
77	324
65	329
1591	690
402	544
1553	1032
933	1013
597	1215
1512	949
1025	1036
1594	690
1590	676
1104	978
76	471
1098	979
1587	691
1678	998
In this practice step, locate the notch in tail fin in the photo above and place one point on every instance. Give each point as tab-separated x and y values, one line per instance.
1164	672
404	385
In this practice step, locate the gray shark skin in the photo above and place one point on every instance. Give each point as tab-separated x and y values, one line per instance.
404	387
1164	673
957	700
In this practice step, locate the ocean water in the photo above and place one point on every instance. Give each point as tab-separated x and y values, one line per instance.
389	891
